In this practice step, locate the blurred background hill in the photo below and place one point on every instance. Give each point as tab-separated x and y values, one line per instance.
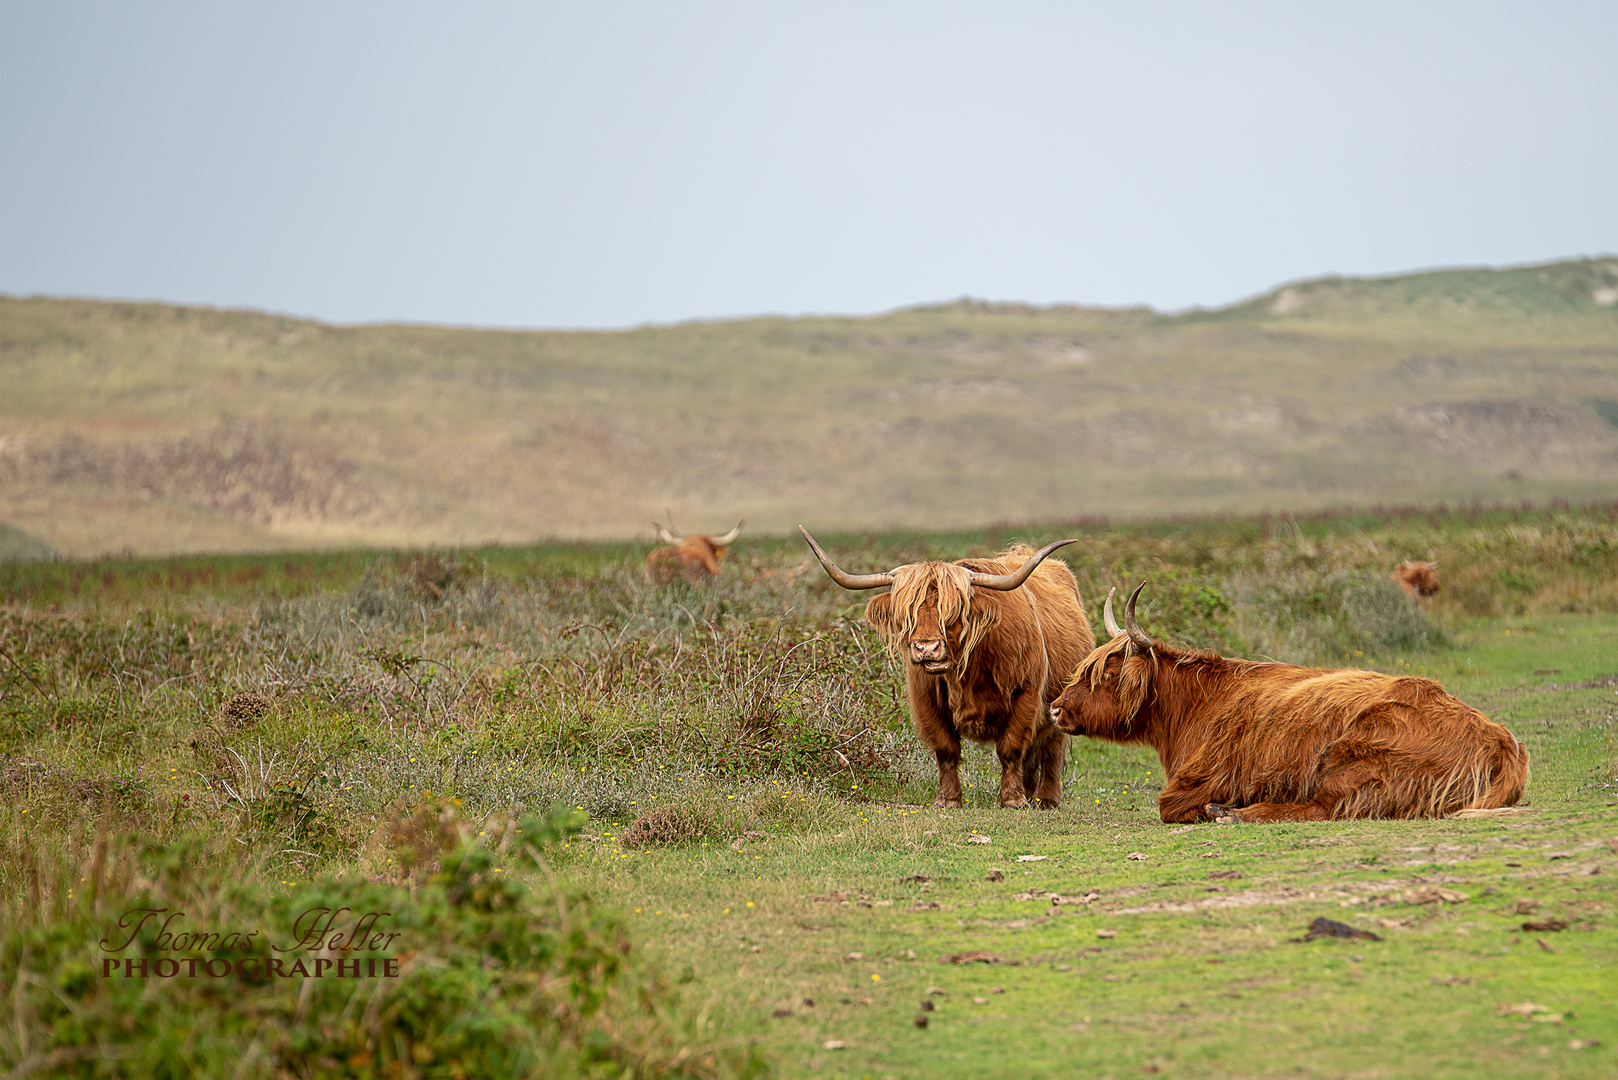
152	428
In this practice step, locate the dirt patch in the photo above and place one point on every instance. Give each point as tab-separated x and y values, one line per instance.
1344	894
1332	928
1600	683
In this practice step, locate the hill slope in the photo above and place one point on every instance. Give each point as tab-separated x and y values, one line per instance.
155	428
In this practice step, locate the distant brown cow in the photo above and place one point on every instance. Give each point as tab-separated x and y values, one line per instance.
1246	741
982	657
1418	579
693	557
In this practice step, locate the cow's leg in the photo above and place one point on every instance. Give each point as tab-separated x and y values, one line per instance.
1352	790
1018	746
1032	759
1012	792
1259	813
929	705
1047	758
949	776
1185	799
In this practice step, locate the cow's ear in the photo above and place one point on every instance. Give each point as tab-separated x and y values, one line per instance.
879	611
985	607
1134	680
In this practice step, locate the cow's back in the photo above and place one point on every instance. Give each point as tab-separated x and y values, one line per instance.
1068	637
1279	725
1060	612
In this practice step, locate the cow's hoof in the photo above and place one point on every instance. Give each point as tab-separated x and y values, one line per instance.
1048	804
946	804
1224	815
1013	804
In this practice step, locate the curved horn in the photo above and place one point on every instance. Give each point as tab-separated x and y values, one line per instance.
1432	566
664	535
847	581
1113	630
1131	627
1007	582
731	535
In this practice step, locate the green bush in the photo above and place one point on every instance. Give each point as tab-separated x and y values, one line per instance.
1328	619
1179	604
499	974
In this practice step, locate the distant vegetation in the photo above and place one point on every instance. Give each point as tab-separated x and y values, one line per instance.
146	428
501	663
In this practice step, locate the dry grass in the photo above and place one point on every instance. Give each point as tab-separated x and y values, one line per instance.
160	429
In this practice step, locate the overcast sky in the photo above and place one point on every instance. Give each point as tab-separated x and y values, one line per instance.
608	164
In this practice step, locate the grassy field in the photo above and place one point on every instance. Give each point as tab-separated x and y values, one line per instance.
149	429
752	873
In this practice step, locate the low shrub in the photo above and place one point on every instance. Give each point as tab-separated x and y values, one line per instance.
1312	619
492	967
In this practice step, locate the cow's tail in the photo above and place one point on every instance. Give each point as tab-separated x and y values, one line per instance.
1499	776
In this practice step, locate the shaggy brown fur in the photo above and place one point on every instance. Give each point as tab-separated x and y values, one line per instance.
1418	579
1274	742
695	558
981	665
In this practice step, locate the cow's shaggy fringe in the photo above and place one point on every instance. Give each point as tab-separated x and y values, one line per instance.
953	583
1356	744
1051	585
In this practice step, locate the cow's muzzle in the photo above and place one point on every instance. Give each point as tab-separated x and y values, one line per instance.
931	656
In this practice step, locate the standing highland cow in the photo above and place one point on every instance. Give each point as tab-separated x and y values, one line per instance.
982	654
1245	741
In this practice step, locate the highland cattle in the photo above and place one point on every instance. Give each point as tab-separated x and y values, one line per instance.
1247	741
983	643
695	557
1419	580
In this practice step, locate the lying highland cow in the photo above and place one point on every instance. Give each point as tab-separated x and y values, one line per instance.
982	654
693	557
1419	580
1245	741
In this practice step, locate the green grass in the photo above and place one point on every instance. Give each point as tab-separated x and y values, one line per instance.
1216	991
759	727
152	429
